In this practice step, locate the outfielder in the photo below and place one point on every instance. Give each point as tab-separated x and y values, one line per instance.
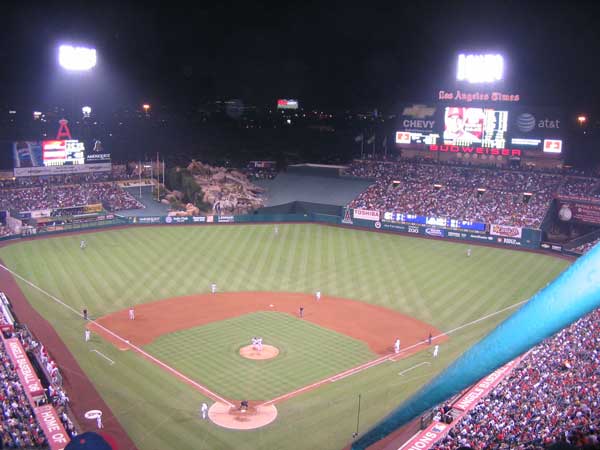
82	244
468	252
213	288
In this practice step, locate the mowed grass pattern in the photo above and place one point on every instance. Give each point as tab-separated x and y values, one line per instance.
431	280
210	354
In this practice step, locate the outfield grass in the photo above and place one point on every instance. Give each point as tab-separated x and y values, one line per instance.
429	279
307	353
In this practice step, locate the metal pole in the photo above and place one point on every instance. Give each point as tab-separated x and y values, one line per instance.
140	173
157	178
357	417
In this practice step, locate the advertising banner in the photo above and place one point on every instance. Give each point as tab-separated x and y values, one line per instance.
505	230
177	219
61	170
581	212
365	214
53	428
31	383
226	219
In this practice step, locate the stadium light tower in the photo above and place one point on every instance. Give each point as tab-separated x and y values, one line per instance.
77	59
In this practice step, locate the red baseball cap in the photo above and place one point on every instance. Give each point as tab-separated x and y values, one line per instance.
454	112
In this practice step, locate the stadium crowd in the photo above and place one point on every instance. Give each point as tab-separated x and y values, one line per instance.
67	196
552	396
584	248
506	197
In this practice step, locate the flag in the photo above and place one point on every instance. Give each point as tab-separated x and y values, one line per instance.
371	140
358	138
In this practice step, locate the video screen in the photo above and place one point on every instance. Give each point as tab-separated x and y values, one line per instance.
63	152
27	154
466	126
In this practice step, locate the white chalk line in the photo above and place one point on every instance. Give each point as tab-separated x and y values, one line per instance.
103	355
168	368
215	396
394	357
413	367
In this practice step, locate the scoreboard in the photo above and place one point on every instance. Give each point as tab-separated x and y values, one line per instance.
520	129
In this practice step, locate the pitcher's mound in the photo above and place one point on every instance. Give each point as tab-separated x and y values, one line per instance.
267	352
232	417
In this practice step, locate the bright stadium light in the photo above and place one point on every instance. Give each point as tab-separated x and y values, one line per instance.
87	111
486	68
76	58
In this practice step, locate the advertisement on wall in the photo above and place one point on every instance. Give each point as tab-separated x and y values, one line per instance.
365	214
505	230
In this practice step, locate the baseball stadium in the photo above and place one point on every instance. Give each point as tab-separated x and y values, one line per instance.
437	289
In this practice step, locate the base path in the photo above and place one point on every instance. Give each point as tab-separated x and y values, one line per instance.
378	327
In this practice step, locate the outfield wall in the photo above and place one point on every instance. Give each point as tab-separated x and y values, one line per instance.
525	238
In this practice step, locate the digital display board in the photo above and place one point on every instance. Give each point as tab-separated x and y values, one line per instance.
96	153
512	130
63	152
27	154
480	68
466	126
287	104
434	221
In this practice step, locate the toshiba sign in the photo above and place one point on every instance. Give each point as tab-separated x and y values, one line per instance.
475	150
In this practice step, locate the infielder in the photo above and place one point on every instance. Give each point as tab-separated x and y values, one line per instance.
318	295
213	288
204	410
436	350
131	313
87	335
397	346
254	343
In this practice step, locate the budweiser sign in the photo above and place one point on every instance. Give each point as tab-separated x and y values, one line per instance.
475	150
505	230
366	214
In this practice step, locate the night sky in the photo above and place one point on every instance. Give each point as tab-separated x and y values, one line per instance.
327	54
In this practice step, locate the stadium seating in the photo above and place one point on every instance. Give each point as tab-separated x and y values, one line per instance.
552	396
464	192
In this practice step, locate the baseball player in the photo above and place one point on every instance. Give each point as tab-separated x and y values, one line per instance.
429	338
213	288
318	295
99	421
301	312
204	410
397	346
131	313
468	252
259	344
436	350
88	334
82	244
276	230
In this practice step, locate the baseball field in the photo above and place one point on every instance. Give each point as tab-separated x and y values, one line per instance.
185	345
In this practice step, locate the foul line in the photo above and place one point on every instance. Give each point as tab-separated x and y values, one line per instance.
104	356
178	374
391	357
413	367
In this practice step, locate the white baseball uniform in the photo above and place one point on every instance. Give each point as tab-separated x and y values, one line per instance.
87	335
397	346
99	422
436	350
204	410
318	295
213	288
131	313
